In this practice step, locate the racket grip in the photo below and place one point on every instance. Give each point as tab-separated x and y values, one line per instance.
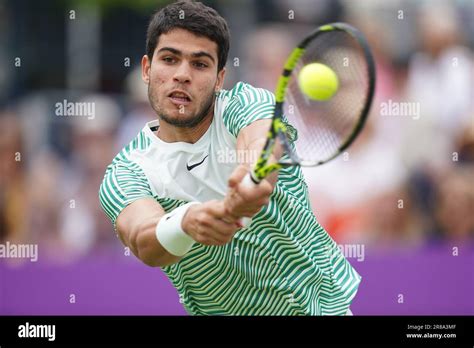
247	182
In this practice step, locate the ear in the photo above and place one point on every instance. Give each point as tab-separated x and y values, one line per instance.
146	65
220	80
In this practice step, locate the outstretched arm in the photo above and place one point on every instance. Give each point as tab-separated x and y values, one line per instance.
138	227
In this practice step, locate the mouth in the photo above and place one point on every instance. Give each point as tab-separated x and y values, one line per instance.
179	97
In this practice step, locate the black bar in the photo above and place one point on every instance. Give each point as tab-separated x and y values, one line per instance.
140	331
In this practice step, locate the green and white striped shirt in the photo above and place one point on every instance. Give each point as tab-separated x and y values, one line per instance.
284	263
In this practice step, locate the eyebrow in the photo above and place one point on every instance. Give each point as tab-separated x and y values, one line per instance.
194	54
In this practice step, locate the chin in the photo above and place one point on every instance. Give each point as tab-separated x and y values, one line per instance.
178	120
176	115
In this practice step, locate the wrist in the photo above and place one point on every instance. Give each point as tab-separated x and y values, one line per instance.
187	220
171	234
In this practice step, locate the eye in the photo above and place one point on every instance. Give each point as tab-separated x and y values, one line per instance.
200	65
168	59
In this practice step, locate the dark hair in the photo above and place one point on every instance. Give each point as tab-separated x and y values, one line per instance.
198	19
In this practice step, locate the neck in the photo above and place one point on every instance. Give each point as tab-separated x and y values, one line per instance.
171	134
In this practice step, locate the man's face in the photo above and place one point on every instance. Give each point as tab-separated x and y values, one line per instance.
182	77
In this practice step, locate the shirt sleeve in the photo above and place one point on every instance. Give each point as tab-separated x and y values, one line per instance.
123	183
247	104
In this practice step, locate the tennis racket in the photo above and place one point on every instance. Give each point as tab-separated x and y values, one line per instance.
314	132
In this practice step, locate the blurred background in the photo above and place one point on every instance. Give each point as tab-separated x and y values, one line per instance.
404	191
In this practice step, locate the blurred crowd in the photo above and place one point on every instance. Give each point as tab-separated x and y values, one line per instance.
410	178
406	181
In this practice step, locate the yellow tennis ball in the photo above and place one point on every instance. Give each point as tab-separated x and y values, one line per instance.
318	81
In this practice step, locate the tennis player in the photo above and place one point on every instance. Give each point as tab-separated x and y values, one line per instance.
176	200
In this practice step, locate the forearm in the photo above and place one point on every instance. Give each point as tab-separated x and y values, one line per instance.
160	243
147	248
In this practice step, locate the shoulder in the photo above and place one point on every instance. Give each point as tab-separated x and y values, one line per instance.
243	105
125	166
140	143
124	180
246	94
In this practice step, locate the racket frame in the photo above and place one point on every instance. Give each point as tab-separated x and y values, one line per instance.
278	129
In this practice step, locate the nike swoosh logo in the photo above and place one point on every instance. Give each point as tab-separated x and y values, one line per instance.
191	167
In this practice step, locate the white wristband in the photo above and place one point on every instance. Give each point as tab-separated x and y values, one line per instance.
170	234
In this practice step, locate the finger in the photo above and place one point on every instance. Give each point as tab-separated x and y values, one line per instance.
211	241
265	187
223	229
222	210
233	197
218	237
248	194
238	205
237	175
218	210
208	237
258	193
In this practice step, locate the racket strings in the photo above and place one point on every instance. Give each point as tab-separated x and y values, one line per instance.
324	126
313	137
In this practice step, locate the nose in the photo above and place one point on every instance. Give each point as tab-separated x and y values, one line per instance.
182	73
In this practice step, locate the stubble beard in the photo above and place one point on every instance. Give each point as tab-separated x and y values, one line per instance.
188	122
